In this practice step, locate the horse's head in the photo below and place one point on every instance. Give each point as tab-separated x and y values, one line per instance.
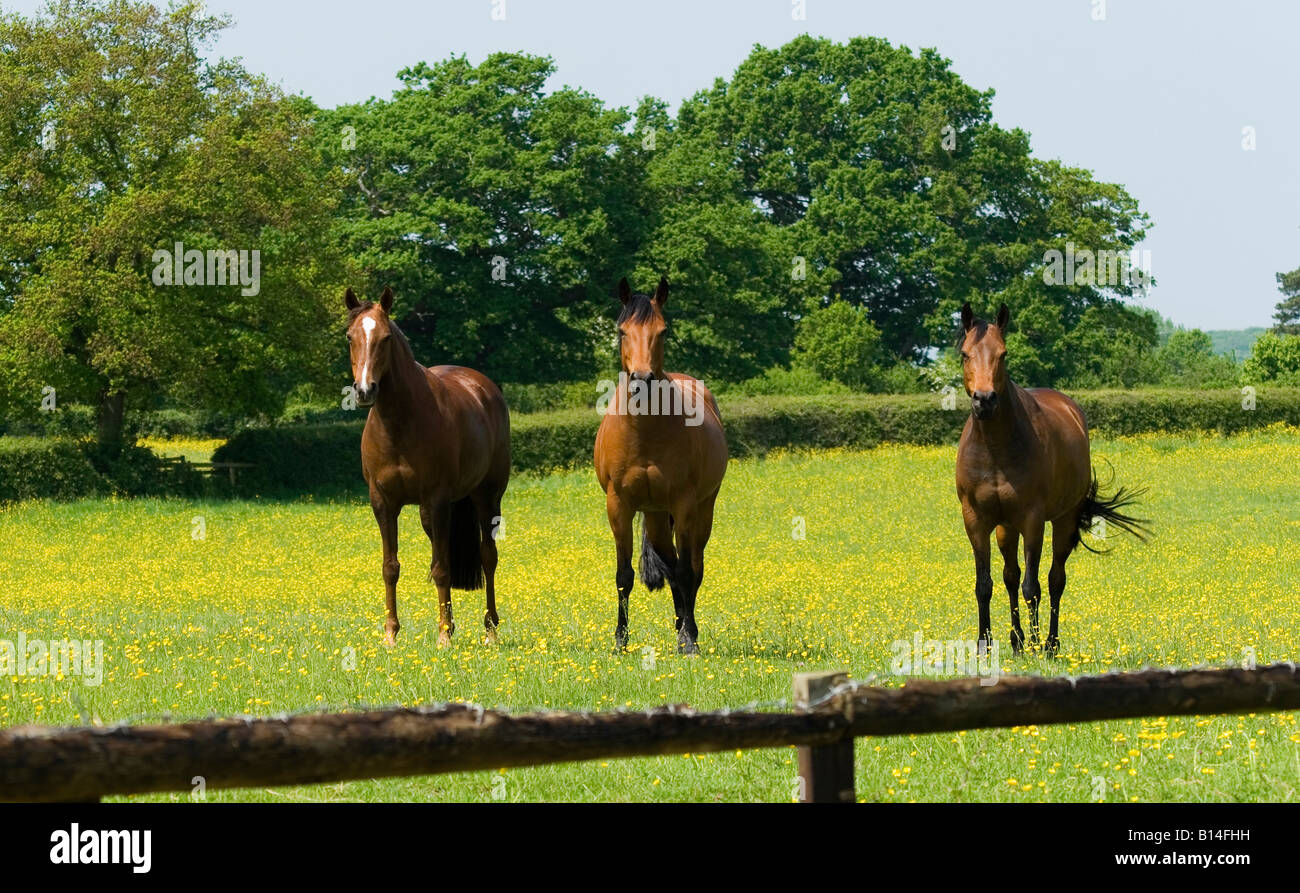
984	360
370	338
642	330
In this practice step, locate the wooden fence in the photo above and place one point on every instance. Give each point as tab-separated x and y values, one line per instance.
211	469
78	764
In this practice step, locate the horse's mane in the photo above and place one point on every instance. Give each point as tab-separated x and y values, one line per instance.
402	346
638	309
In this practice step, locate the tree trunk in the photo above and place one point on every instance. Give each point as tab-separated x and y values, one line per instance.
108	433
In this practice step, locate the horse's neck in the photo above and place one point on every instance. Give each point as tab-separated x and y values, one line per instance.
403	394
1010	427
654	422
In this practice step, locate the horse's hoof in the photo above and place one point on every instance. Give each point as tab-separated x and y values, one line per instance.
390	640
690	649
620	643
490	638
1052	647
1017	643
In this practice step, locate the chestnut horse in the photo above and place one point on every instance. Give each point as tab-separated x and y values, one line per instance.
1024	460
660	451
438	438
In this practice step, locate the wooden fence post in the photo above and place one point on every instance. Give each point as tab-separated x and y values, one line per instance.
825	772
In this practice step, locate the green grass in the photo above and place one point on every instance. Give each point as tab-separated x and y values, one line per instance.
261	615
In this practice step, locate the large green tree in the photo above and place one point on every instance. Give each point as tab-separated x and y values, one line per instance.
886	174
119	139
503	215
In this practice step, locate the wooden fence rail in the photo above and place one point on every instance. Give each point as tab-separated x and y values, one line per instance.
75	764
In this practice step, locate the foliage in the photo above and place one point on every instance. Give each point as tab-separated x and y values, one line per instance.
1187	359
839	342
119	139
1287	317
1274	358
57	468
502	215
324	459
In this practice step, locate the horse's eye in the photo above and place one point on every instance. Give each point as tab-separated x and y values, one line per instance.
964	356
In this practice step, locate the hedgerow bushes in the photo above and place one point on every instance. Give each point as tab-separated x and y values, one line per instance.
325	458
56	468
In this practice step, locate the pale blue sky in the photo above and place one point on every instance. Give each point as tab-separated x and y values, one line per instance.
1154	97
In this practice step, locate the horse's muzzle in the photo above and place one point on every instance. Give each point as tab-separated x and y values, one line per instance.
984	404
365	396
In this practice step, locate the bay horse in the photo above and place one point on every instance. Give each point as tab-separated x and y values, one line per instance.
660	451
1024	460
438	438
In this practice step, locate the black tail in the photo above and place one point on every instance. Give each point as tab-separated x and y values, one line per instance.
1107	509
466	562
654	570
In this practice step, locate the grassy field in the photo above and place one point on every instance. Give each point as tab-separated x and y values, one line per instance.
278	607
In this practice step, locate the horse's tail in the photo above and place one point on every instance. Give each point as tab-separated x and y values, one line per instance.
1108	509
654	570
466	562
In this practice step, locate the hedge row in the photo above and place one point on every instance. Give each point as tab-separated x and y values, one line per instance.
324	459
77	420
39	468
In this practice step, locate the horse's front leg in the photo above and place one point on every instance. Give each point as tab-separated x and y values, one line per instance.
1009	546
620	523
386	516
435	516
977	531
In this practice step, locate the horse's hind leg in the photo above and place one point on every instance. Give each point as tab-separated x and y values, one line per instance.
659	533
436	519
487	506
693	529
1009	546
1064	537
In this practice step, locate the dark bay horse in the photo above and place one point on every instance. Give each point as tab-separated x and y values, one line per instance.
438	438
660	451
1024	460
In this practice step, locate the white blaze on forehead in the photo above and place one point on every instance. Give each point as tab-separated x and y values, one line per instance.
367	325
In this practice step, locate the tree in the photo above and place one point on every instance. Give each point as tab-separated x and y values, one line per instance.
734	288
1188	360
889	178
1112	346
1274	358
1287	317
841	343
119	143
502	215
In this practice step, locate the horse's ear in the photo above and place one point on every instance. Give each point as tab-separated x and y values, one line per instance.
661	293
624	291
967	317
1004	317
350	299
386	300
